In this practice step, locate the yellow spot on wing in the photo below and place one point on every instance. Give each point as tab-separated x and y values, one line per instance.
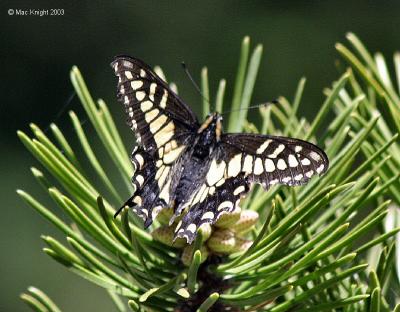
153	87
208	215
277	151
192	228
158	123
128	74
281	164
196	199
212	190
298	177
305	162
293	161
225	204
320	168
269	165
220	182
238	190
165	134
140	179
149	116
234	165
137	200
136	84
315	156
248	164
163	177
171	156
216	172
146	105
163	102
204	195
169	127
139	158
263	147
258	166
140	95
165	192
159	172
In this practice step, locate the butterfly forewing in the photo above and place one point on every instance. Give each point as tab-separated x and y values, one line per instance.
270	160
155	113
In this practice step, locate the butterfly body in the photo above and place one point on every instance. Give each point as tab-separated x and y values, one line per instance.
183	164
196	163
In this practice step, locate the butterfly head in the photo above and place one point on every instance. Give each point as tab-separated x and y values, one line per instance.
209	135
212	127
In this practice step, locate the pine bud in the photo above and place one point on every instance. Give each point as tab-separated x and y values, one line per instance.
187	254
221	241
227	219
241	245
246	221
205	229
165	235
165	215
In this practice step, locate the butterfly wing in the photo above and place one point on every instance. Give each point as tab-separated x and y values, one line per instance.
145	200
164	126
155	113
217	200
242	159
270	160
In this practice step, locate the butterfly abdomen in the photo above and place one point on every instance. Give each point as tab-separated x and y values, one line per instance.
194	171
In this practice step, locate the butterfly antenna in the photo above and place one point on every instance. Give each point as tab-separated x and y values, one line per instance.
185	68
273	102
62	110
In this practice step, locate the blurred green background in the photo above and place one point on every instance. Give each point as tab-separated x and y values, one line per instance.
38	52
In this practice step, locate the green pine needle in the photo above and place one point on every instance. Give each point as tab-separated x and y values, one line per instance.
330	245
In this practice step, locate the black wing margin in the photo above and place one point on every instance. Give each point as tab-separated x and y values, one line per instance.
270	160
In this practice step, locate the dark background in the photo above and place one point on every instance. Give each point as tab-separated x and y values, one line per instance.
38	52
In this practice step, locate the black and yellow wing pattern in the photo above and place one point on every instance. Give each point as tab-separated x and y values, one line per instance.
244	159
164	127
182	164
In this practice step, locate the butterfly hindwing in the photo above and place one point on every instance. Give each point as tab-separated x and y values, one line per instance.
217	200
145	201
270	160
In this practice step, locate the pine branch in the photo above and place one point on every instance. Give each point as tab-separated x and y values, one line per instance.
302	248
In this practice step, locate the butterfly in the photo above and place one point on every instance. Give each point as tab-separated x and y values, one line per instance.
195	167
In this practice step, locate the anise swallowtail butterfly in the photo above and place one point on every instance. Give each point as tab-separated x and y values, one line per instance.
183	164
